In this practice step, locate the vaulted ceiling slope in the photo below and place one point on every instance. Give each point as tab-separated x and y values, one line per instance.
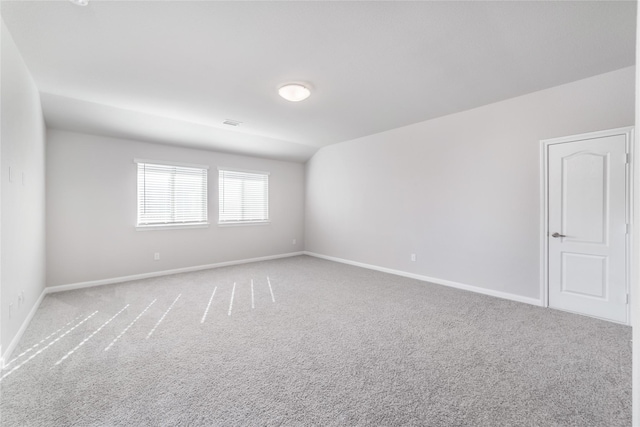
172	72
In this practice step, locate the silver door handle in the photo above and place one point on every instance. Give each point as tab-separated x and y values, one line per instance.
556	235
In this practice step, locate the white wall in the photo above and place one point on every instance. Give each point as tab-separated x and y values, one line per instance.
462	191
22	253
635	283
91	211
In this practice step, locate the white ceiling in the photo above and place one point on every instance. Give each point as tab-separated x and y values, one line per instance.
173	71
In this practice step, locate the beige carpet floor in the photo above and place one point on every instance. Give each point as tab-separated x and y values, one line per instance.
302	341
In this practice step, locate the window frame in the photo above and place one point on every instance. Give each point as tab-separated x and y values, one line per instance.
171	225
241	223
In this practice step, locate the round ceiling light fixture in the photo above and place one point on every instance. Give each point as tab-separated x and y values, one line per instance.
80	2
294	92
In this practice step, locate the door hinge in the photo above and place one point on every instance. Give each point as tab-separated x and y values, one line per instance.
627	299
627	158
628	228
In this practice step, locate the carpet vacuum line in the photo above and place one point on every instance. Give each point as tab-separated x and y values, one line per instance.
36	345
164	315
90	336
128	326
270	290
252	303
233	291
204	316
48	345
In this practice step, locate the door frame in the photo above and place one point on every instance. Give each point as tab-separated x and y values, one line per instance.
631	210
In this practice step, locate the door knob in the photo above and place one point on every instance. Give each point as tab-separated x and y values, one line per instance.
556	235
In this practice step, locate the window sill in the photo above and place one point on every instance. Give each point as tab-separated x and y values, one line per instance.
242	223
171	226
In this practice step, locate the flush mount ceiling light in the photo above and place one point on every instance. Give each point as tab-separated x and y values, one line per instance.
80	2
294	92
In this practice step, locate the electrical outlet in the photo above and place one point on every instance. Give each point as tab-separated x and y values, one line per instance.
293	242
413	257
156	256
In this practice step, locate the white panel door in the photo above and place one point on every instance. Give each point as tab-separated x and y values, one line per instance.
588	226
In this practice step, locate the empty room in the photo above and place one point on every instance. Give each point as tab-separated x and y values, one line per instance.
333	213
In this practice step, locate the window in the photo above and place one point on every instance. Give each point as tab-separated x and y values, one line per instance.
171	194
244	196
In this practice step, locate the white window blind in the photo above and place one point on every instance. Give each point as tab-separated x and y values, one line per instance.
244	196
171	194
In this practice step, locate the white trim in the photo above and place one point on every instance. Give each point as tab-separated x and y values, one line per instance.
18	336
92	283
632	221
168	163
589	135
628	132
172	226
220	168
241	223
544	221
449	283
635	286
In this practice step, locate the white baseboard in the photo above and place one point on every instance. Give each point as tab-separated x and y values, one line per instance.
490	292
92	283
16	339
